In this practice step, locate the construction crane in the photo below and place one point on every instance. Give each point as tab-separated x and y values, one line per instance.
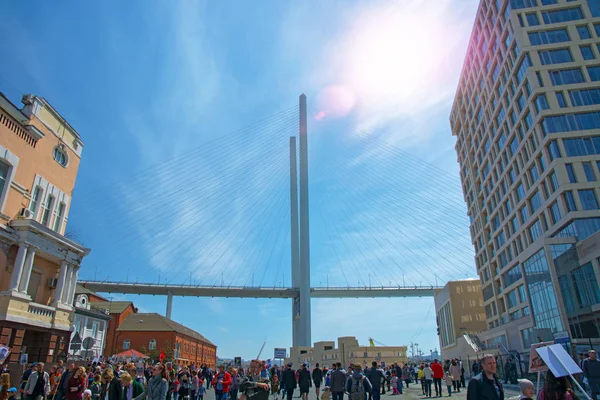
372	342
261	349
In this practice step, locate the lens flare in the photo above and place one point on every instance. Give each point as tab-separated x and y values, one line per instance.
336	101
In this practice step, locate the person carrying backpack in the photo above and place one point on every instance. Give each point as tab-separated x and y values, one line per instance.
358	385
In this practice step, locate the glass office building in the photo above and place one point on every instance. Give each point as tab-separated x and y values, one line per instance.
527	120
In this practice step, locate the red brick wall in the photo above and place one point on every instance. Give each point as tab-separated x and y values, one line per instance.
111	347
192	350
141	339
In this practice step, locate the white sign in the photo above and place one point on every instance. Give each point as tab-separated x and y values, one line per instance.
280	353
558	360
536	363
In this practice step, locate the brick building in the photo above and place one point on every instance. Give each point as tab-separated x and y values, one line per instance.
151	333
118	312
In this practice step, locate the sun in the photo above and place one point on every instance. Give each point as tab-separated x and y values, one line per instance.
392	51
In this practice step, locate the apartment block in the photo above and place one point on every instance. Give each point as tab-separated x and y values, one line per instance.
348	352
526	116
459	314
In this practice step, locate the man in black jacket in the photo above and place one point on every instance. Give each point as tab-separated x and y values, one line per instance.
338	382
486	385
304	382
317	377
376	377
288	379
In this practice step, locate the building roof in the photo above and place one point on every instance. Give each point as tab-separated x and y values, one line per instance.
12	109
82	290
113	307
156	322
92	312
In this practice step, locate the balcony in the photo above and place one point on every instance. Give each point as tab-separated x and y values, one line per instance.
18	307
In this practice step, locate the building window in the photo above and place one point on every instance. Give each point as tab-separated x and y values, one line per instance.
560	97
60	156
566	76
564	15
535	231
557	56
594	73
126	344
585	281
584	32
59	217
594	6
152	345
555	212
532	19
547	37
588	199
542	295
570	201
571	173
35	201
586	52
571	122
590	175
48	210
586	97
541	103
4	171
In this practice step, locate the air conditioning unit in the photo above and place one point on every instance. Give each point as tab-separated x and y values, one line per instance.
52	282
27	99
25	213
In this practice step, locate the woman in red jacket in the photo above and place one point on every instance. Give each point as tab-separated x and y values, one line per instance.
221	383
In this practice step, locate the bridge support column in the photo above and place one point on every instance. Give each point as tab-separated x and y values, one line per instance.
304	334
169	304
294	240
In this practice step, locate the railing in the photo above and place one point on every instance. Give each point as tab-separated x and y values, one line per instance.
41	310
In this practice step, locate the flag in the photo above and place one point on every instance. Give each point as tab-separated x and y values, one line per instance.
162	356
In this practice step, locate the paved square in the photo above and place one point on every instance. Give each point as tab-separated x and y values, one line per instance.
412	393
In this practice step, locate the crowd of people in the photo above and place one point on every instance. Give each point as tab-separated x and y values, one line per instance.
143	381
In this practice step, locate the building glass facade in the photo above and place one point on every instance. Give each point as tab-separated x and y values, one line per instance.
526	116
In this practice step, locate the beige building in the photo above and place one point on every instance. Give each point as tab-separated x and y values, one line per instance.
347	352
459	311
39	159
527	120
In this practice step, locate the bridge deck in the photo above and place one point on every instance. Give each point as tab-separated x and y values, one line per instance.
256	292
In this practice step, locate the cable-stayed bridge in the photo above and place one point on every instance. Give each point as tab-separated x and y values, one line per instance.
230	218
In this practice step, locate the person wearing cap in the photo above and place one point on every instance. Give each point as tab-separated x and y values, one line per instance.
527	389
288	379
304	381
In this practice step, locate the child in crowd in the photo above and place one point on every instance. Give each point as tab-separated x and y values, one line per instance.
527	389
87	394
448	379
201	390
395	384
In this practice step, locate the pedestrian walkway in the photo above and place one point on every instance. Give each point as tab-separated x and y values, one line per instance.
412	393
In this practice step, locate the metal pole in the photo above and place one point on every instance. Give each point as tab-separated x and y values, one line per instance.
305	337
294	238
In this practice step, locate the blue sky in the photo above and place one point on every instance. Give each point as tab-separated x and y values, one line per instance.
179	182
